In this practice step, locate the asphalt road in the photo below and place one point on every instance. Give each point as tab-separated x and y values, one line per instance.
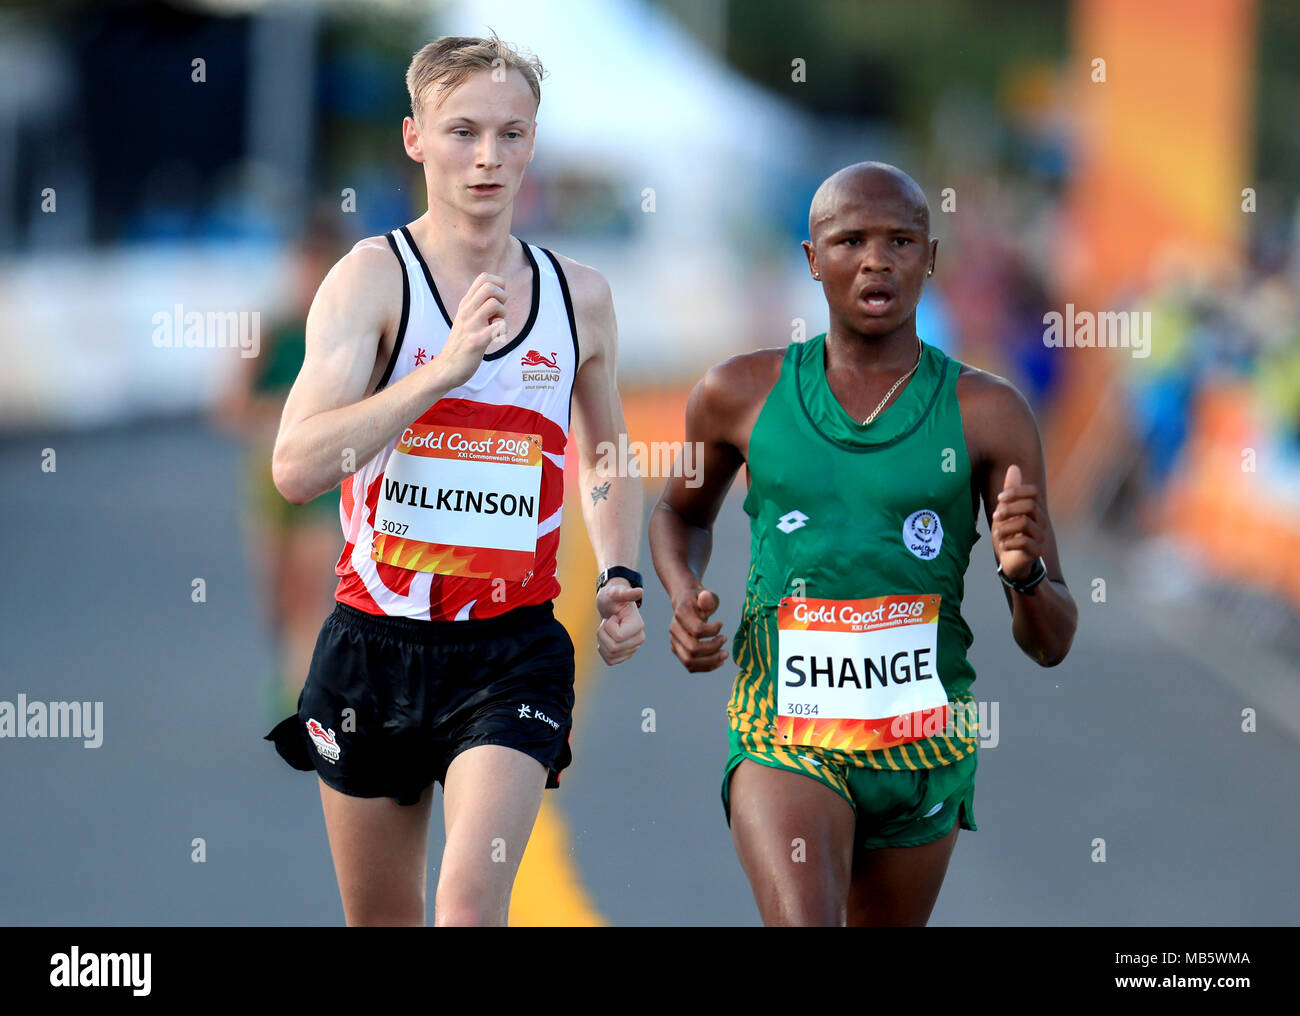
1136	740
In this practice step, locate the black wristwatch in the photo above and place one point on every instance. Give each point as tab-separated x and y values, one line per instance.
619	572
1026	585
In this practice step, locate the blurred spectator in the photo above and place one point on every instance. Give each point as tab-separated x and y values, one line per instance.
287	542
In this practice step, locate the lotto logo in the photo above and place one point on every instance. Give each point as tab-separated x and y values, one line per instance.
791	521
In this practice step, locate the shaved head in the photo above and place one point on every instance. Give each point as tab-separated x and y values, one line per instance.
864	183
870	248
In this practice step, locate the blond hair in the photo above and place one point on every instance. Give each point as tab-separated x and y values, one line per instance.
448	61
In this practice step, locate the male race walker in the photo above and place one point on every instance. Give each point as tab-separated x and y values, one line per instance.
867	451
443	361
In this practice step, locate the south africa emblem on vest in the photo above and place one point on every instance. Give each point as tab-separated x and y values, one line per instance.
923	534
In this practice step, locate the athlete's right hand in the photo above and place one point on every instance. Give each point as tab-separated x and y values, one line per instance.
479	319
694	638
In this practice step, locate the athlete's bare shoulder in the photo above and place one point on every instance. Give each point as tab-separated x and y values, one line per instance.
727	399
364	285
593	307
585	283
745	378
984	391
991	408
369	261
353	320
367	278
372	243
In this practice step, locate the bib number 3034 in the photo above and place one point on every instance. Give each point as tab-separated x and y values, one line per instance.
460	501
858	675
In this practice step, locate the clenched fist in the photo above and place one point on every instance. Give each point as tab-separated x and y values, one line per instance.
622	630
696	640
1017	529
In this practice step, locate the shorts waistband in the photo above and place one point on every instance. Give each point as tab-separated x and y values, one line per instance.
409	629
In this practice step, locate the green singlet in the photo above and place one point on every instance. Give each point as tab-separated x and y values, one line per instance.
845	512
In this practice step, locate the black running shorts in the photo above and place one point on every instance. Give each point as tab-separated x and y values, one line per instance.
389	702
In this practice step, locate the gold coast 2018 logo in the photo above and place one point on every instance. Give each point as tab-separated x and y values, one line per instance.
923	534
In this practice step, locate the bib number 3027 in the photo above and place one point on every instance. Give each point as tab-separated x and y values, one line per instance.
858	675
460	501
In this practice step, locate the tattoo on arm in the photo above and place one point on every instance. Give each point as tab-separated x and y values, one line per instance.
600	493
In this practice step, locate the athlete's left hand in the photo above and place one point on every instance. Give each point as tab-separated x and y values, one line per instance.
1017	530
622	630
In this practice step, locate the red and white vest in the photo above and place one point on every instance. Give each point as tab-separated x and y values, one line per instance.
459	516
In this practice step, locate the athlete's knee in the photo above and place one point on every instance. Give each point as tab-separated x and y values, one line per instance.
792	890
795	906
405	912
470	907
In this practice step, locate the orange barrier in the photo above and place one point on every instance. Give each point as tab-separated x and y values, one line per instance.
1162	93
1220	510
652	414
656	414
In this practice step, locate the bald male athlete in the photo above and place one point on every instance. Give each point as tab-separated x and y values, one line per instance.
853	746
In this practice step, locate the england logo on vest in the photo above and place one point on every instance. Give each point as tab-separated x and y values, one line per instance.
535	368
923	534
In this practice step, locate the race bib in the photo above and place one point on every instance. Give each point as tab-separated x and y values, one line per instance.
858	675
460	501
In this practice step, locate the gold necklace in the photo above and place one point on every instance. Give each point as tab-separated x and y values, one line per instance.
876	412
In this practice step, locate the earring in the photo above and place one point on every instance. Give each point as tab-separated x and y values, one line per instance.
816	276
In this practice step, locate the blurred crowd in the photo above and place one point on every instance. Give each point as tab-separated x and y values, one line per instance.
1234	328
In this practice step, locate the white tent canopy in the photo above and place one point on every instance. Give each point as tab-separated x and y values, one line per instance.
628	88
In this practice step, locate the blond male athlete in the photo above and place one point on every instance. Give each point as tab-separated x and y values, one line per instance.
442	364
867	453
